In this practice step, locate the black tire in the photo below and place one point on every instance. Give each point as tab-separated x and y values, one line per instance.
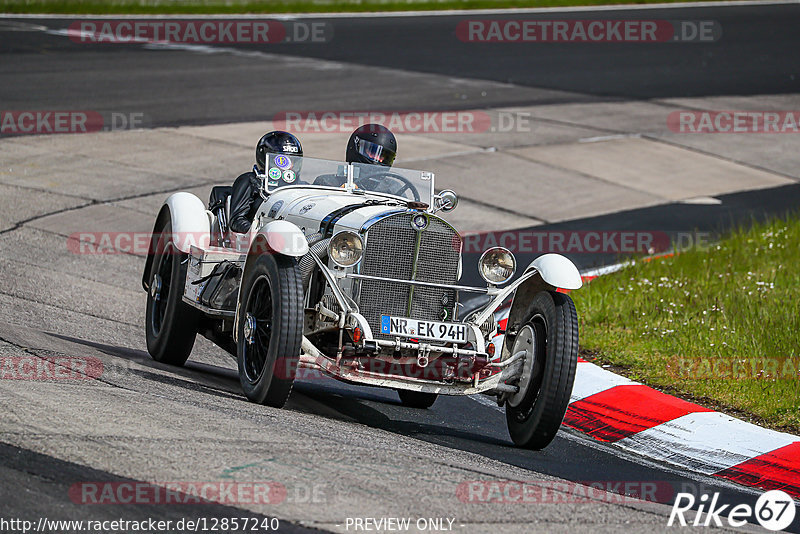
533	423
272	294
171	324
416	399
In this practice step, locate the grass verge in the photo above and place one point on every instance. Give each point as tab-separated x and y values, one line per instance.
200	7
720	325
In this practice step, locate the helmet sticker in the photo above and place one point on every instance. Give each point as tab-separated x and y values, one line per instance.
290	148
283	162
274	174
289	176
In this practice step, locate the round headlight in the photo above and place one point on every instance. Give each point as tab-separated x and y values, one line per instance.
345	249
497	265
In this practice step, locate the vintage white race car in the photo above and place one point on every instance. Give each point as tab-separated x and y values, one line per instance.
348	270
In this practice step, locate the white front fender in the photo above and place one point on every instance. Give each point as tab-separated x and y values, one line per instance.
285	238
557	271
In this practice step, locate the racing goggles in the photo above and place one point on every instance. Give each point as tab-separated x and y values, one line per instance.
374	152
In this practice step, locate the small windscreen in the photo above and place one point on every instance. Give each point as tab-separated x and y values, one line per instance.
283	170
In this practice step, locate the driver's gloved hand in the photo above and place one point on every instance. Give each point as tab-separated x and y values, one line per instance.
240	225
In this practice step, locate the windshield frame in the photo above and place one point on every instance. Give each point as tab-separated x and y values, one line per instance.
416	177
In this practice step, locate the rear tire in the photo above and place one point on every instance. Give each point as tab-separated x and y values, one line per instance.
417	399
269	329
171	324
541	407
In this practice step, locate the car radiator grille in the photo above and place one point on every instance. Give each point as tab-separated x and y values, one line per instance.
392	252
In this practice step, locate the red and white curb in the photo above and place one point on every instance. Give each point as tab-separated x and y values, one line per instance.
640	419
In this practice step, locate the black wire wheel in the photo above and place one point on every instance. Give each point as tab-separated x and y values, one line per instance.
549	339
171	324
270	329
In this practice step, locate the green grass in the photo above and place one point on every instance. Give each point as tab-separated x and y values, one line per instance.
720	326
198	7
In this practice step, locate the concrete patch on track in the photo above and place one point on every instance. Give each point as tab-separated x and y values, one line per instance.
658	169
27	205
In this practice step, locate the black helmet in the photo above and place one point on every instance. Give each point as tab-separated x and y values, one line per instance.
372	143
276	142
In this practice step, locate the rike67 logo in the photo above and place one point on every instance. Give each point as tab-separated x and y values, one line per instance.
774	510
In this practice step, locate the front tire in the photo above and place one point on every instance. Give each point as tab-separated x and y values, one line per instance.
416	399
550	337
269	329
171	324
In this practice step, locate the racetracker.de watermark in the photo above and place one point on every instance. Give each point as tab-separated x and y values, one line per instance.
585	241
184	492
734	122
517	241
732	368
439	122
38	122
551	492
144	243
588	31
30	367
200	32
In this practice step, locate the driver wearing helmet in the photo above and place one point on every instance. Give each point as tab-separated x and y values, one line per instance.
372	143
246	196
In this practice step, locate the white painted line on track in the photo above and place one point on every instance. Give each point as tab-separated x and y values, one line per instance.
486	401
606	269
602	138
422	13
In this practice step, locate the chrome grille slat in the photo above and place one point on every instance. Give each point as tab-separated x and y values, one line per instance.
389	253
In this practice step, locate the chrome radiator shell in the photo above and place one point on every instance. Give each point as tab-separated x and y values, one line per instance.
395	249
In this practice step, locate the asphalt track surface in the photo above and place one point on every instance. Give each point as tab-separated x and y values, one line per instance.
757	56
177	87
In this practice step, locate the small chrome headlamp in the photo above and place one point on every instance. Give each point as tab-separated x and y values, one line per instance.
497	265
345	249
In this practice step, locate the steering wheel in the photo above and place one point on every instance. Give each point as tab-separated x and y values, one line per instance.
374	182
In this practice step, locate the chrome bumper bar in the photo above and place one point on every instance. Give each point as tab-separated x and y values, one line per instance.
484	290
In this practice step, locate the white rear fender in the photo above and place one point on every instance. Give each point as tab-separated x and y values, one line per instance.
190	226
284	237
557	271
190	222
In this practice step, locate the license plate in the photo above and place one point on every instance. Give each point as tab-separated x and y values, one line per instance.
405	327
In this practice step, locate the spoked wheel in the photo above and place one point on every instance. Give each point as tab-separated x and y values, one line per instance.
549	339
416	399
171	326
257	329
269	329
